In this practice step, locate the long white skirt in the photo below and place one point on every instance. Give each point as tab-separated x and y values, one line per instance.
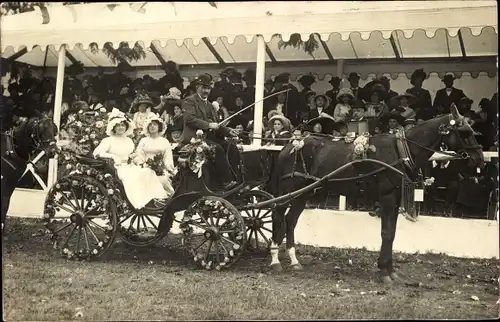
142	185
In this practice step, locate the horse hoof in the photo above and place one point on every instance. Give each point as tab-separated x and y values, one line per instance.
386	280
297	267
276	267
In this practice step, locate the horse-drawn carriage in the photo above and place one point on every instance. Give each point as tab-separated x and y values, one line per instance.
87	209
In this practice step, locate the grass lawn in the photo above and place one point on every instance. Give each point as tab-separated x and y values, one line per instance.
161	283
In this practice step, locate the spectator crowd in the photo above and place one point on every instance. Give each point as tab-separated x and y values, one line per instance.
374	108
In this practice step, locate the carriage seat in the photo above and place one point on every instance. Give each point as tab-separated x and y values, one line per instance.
102	164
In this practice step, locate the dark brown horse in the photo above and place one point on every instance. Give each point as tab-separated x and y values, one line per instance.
320	156
32	136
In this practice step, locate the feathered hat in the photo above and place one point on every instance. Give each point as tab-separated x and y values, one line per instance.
285	121
345	91
142	99
327	99
148	121
115	117
174	93
419	73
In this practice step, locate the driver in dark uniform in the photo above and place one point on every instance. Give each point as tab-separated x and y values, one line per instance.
199	114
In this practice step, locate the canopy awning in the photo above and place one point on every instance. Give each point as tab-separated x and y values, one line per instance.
342	30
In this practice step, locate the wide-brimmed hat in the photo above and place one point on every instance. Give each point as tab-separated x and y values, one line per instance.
286	122
236	78
410	121
419	73
335	80
378	88
142	99
327	99
272	113
151	118
249	77
307	80
228	71
203	79
345	91
174	93
448	77
115	117
353	75
282	78
412	99
466	100
328	124
393	115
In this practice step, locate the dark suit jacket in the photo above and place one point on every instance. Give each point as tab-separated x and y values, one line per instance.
197	115
444	100
314	113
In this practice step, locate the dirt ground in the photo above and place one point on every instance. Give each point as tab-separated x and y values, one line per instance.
160	283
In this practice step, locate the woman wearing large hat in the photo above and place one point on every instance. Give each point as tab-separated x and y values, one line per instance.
324	124
343	109
142	105
139	188
376	105
280	130
320	104
393	121
402	103
424	97
149	146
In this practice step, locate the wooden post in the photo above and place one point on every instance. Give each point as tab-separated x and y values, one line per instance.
52	176
259	90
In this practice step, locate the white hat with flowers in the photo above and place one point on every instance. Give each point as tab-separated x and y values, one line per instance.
151	118
115	117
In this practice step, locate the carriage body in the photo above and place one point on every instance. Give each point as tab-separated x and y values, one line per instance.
97	209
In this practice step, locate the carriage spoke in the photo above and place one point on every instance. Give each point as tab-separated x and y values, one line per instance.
57	204
65	243
92	196
64	227
139	223
132	221
151	222
82	191
229	240
79	236
224	247
69	202
265	214
97	225
256	238
198	226
208	250
204	220
144	222
267	229
217	253
265	238
92	233
125	219
267	222
75	198
86	238
198	247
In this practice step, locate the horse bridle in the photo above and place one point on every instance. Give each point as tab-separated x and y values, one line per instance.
445	129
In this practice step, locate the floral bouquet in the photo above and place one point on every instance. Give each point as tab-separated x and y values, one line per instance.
86	129
156	164
199	152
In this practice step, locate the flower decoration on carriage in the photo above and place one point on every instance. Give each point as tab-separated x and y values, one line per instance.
297	145
198	152
429	181
156	164
361	145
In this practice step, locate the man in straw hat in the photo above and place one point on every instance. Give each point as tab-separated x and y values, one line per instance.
423	95
199	114
448	95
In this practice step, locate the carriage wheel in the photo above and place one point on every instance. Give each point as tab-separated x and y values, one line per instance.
141	230
258	221
214	233
80	216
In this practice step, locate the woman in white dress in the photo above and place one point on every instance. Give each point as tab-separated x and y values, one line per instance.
153	144
141	185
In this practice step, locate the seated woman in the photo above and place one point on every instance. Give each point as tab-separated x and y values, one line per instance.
343	109
142	106
280	130
320	105
155	144
376	107
140	185
401	104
